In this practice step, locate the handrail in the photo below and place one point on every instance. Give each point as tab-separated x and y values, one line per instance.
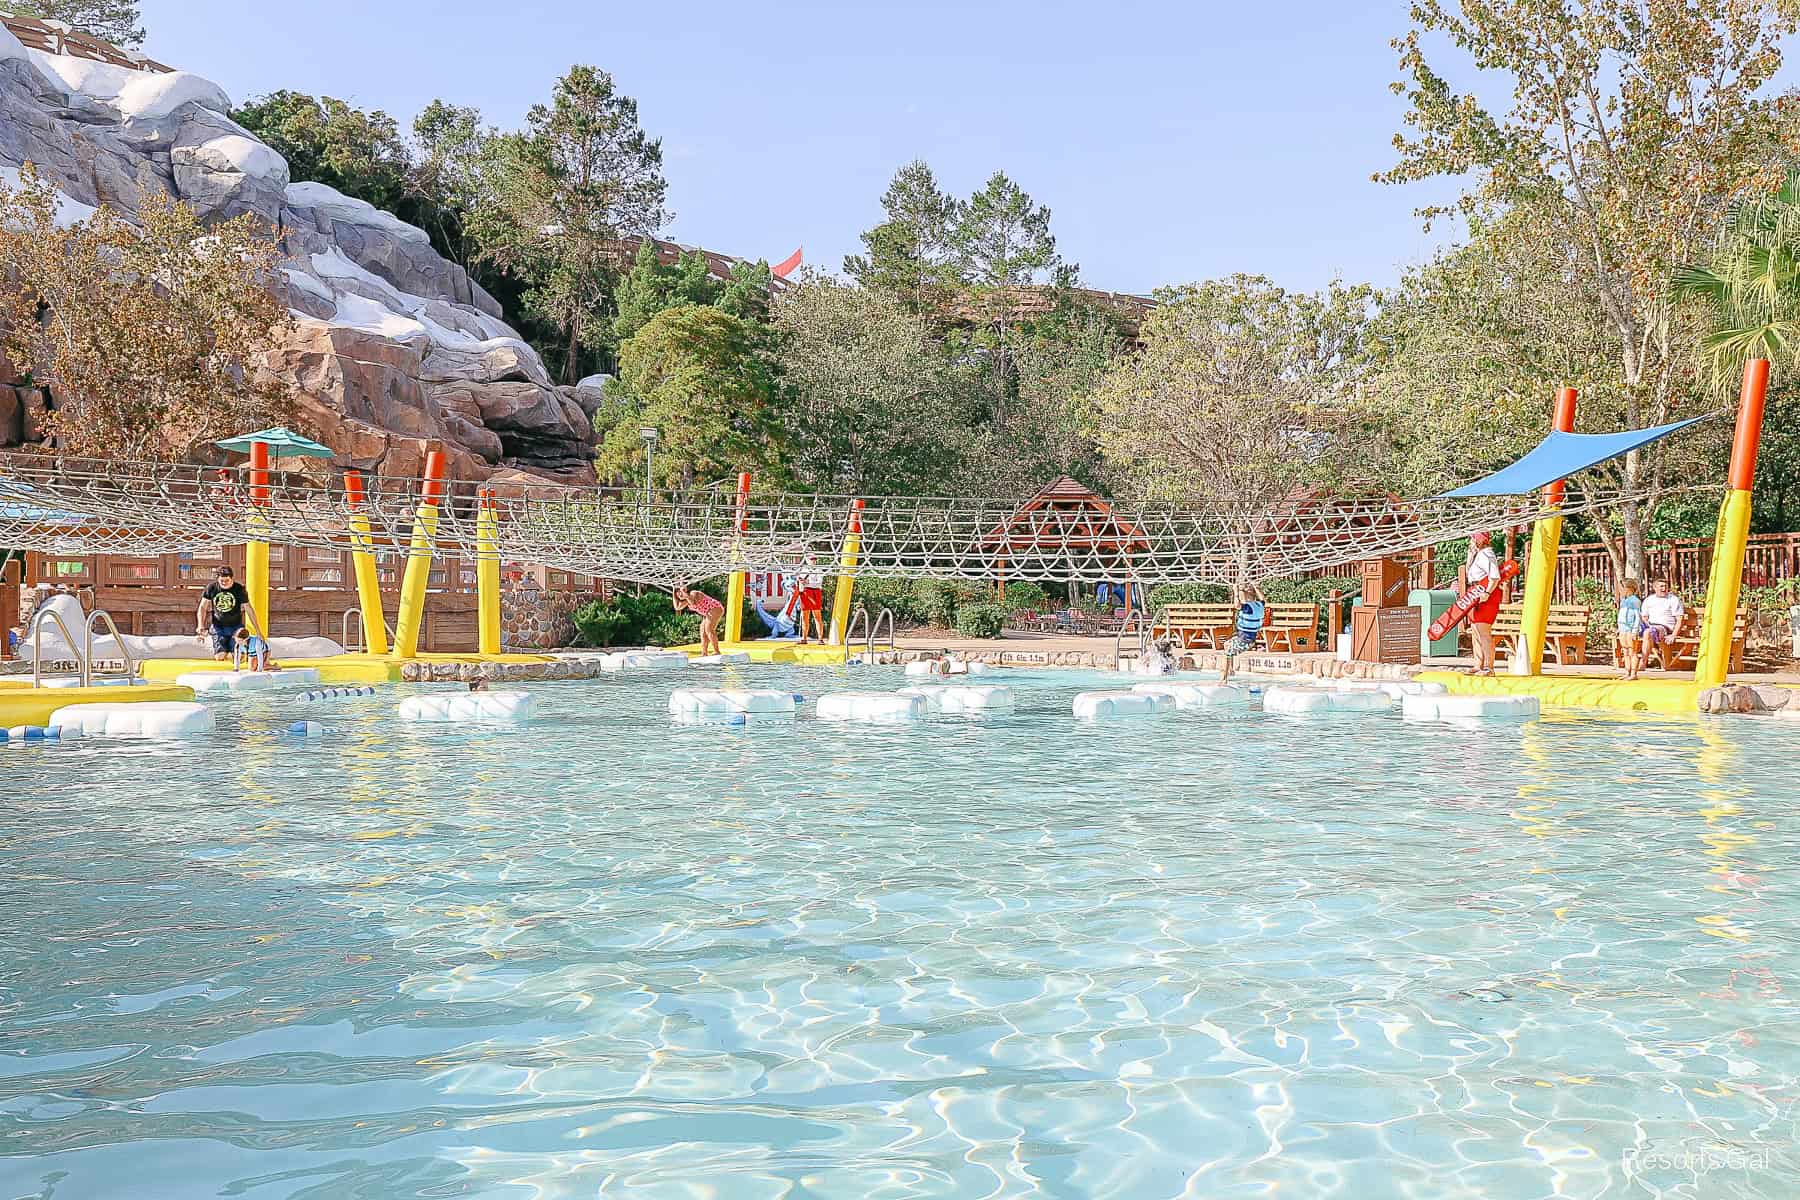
37	646
886	614
344	631
850	633
100	614
1133	620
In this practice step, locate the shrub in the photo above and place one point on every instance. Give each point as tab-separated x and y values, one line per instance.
1315	591
980	620
646	620
900	595
1026	597
936	603
1188	593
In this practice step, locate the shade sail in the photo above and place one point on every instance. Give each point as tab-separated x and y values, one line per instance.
1561	455
282	443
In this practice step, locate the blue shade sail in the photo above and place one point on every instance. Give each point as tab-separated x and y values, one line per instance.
1561	455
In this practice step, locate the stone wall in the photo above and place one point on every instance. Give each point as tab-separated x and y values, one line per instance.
534	619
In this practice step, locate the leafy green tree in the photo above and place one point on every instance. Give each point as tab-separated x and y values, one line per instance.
872	406
444	179
1049	427
1628	126
909	252
1751	287
560	200
705	380
652	286
1001	239
358	152
1243	393
747	293
115	21
149	334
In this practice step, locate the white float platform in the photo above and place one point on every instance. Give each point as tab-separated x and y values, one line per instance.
1296	701
644	660
963	698
1091	706
249	681
154	719
729	704
467	707
731	658
1198	695
927	667
1469	711
881	708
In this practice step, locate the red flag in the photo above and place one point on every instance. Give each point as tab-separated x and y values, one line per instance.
789	265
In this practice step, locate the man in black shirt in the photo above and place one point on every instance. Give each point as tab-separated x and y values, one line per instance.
222	612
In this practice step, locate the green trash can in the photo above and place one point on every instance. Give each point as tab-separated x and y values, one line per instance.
1434	603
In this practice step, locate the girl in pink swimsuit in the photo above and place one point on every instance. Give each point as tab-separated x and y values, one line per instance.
707	609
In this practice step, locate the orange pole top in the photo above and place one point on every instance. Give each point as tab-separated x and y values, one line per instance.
856	511
743	502
353	488
1749	425
434	477
259	472
1561	421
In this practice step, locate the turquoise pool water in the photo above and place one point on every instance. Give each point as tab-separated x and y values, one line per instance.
1198	955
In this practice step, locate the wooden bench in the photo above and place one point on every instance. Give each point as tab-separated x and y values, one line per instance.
1291	628
1565	633
1685	649
1196	626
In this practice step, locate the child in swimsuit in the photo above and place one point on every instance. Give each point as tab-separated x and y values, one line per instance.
707	609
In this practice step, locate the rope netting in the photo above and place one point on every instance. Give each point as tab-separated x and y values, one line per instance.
125	508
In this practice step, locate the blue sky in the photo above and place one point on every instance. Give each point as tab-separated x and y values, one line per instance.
1172	141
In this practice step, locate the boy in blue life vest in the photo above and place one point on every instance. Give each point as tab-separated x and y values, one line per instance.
247	646
1247	631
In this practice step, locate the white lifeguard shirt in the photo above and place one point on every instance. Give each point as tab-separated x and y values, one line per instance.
1484	568
1666	611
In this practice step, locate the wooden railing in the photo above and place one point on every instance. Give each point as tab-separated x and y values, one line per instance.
290	569
1684	562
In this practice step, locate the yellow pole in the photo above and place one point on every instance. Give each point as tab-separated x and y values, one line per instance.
256	551
1540	560
487	571
1723	585
418	559
846	579
368	580
734	595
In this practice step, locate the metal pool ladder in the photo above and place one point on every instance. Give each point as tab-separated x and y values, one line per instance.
871	629
37	647
100	614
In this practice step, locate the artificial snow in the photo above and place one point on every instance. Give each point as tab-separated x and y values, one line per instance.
325	199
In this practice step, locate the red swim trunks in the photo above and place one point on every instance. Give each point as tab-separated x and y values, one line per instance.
1485	612
812	599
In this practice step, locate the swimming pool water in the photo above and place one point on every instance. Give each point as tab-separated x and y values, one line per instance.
1206	954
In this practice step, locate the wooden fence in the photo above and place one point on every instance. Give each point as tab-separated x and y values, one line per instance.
1685	562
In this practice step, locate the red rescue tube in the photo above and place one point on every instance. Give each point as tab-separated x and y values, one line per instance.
1465	603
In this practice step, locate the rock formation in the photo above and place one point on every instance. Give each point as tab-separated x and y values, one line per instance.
394	347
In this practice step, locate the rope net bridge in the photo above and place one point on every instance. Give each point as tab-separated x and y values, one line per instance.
66	506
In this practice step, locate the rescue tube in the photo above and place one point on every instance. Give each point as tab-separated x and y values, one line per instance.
1465	603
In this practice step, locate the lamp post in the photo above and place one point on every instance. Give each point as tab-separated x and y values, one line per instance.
649	435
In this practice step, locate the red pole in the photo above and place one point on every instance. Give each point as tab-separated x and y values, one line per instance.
259	473
434	477
1749	425
743	502
1563	421
353	489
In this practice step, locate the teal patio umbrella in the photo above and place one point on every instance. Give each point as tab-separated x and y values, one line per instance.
282	443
